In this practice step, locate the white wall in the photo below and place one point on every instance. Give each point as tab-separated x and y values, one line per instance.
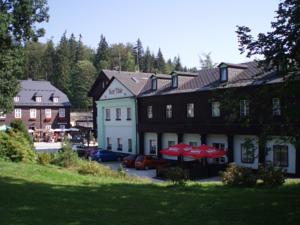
291	154
240	139
147	138
116	90
168	137
124	132
187	138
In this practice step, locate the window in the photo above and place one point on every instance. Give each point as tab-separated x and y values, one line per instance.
48	127
190	110
129	145
38	99
16	99
280	155
171	143
107	114
244	108
18	113
154	84
193	143
219	145
174	81
61	112
149	112
2	115
169	111
48	113
32	113
215	109
119	142
62	126
153	147
118	113
276	107
55	99
128	113
247	155
224	74
108	143
103	84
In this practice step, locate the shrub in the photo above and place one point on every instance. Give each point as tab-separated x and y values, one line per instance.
238	176
15	146
176	174
271	175
19	126
44	158
67	157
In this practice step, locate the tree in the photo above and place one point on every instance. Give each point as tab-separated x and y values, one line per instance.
160	62
280	49
177	64
138	53
102	57
206	61
48	61
82	79
18	21
79	53
148	61
121	57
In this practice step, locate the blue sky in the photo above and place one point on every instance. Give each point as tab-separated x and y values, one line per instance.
179	27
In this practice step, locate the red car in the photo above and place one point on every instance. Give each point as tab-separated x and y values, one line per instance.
129	161
146	162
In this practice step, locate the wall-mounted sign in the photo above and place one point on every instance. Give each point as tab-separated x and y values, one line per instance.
116	90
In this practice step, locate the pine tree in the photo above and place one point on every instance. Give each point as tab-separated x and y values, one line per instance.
48	61
148	62
138	53
102	57
79	54
177	64
160	62
72	48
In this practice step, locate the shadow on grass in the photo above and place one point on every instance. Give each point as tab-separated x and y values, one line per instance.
23	202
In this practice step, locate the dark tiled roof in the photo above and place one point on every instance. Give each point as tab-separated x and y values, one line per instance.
208	79
29	89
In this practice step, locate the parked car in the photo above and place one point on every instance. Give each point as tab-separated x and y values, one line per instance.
147	162
129	161
105	155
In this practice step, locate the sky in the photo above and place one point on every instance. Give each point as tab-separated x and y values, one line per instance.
187	28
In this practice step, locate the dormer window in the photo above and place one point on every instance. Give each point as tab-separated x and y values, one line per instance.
223	74
154	84
174	81
38	99
55	99
16	99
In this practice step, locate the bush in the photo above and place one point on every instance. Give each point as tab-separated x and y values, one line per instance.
238	176
271	176
19	126
44	158
15	146
67	157
176	174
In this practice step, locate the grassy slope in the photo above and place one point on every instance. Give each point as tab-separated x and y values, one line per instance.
33	194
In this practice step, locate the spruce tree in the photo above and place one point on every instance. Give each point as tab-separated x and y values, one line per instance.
177	64
160	62
48	61
102	57
138	53
147	62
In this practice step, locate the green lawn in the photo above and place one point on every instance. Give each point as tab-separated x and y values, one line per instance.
39	195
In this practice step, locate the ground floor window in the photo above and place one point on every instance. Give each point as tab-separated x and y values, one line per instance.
119	142
108	143
193	143
48	127
153	147
62	126
171	143
280	155
219	145
129	145
247	154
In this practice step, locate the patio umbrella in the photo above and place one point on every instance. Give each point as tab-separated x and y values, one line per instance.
176	150
205	151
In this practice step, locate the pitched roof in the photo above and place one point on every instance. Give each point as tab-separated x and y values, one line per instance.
29	89
208	79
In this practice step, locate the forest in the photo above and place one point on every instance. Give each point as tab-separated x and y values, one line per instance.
72	66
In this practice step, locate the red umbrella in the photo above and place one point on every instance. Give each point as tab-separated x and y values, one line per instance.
176	150
205	151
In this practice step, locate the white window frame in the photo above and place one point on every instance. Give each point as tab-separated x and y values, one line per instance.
193	143
154	84
153	147
48	127
174	81
190	110
16	98
119	144
280	148
224	74
118	113
129	145
48	113
244	108
149	111
61	112
38	99
108	143
107	114
247	157
32	113
276	107
171	143
169	111
128	113
18	113
55	99
215	109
